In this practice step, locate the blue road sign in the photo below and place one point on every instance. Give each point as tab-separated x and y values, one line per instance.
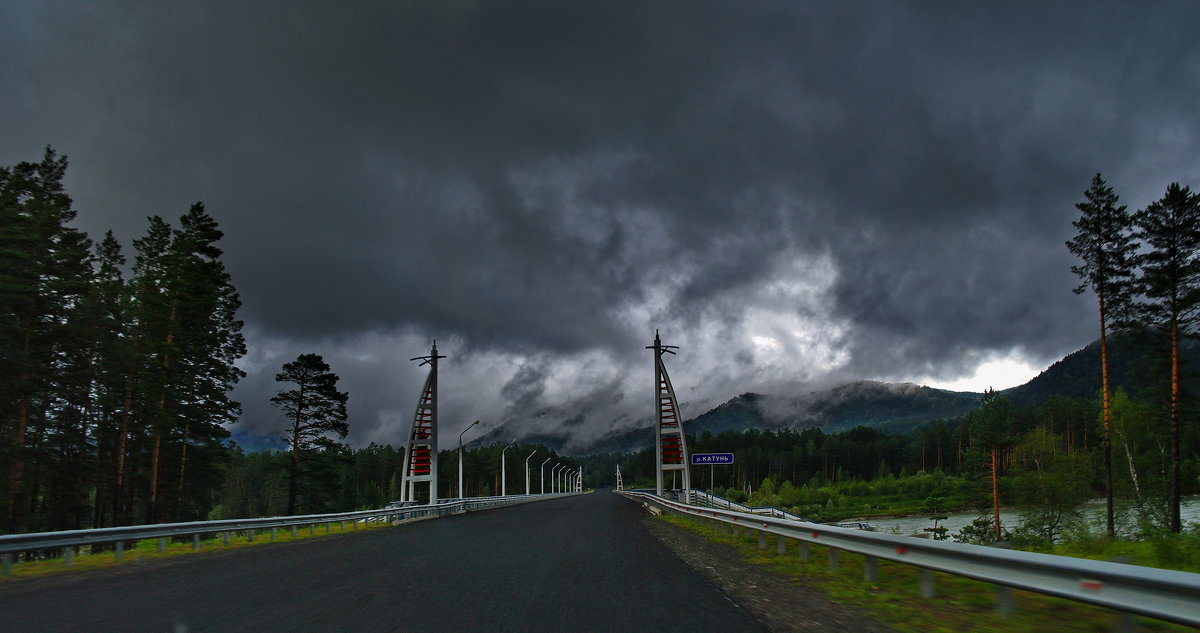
712	458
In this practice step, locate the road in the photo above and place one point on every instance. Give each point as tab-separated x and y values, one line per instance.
576	564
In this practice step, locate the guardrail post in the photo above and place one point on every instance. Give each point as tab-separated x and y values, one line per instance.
250	536
327	527
805	550
6	565
871	569
119	551
927	587
762	540
312	529
68	556
780	544
833	558
1004	601
1123	622
162	545
293	531
225	538
341	526
274	533
195	542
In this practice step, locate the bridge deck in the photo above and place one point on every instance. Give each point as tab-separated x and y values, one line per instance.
581	563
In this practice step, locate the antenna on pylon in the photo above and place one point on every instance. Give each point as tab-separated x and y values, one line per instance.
670	447
420	456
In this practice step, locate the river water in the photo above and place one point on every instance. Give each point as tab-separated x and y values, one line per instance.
1010	518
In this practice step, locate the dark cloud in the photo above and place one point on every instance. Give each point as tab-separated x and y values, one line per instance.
547	180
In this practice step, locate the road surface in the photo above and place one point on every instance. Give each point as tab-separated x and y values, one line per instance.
575	564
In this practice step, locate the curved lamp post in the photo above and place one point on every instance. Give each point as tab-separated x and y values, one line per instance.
461	495
503	479
542	478
527	472
554	478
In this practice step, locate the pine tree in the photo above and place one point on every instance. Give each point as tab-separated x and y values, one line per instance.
1170	284
991	431
315	407
1106	247
44	266
208	342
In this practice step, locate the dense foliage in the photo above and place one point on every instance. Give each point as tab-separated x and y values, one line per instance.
113	391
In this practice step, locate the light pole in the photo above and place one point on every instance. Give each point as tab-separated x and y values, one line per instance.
554	478
527	472
503	479
460	466
542	478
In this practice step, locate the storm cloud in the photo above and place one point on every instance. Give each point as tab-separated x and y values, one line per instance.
795	193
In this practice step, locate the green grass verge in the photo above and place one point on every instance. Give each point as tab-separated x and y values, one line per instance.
960	604
147	550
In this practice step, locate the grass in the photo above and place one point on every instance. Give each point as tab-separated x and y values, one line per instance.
147	550
960	604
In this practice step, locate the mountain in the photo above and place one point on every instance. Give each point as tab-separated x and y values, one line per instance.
893	407
1136	363
255	443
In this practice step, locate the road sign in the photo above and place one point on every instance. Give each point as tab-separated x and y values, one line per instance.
712	458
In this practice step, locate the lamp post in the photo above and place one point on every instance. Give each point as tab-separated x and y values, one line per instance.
527	472
542	478
554	478
460	465
503	479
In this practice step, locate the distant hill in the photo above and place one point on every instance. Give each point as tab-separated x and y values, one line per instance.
895	407
255	443
1136	363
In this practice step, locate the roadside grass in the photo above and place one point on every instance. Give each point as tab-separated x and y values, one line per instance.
960	604
147	550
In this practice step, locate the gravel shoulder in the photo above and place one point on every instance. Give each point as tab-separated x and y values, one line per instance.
776	600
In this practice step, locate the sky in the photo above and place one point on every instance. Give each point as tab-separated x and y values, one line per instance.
798	194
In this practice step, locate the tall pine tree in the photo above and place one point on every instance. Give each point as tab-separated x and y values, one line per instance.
1170	285
315	407
1106	250
44	268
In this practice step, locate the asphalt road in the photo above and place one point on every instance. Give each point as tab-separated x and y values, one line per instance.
577	564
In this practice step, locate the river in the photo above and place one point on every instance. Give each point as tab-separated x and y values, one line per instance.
1010	518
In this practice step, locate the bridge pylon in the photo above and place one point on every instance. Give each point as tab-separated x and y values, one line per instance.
620	482
670	445
421	454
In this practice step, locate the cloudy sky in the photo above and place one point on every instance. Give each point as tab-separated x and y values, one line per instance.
796	193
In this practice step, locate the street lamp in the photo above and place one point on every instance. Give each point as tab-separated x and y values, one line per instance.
527	472
460	466
503	479
542	478
554	478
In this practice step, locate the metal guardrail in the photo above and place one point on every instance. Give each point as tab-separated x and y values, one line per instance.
68	540
1158	593
701	498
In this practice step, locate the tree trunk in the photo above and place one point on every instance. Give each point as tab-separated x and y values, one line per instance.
1108	464
1173	500
995	493
121	517
182	464
16	480
294	468
152	513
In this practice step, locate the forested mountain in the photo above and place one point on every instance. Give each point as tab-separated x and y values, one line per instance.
1136	364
